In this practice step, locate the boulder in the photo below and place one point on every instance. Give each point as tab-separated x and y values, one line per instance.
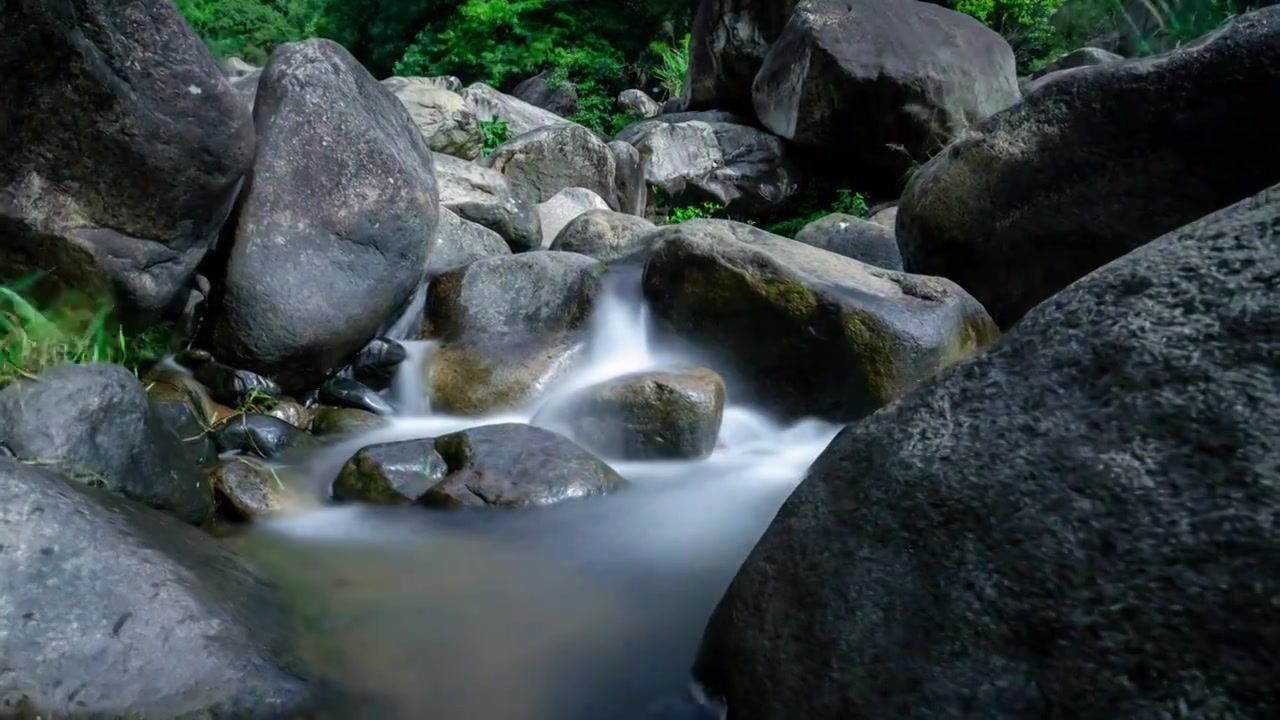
1078	524
563	207
862	240
727	46
508	328
545	91
112	609
246	87
95	424
484	197
542	162
637	103
516	465
881	84
603	234
335	224
650	415
699	156
122	149
1034	200
442	116
247	489
460	242
395	473
520	117
632	189
1083	57
812	333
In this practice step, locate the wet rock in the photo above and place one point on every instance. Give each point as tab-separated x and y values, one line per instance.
543	91
638	103
335	222
375	365
543	162
192	357
520	117
862	240
691	157
882	86
509	327
483	196
813	333
292	412
461	242
184	419
563	207
442	116
140	611
232	386
652	415
259	435
396	473
1073	525
122	151
632	190
247	490
95	424
330	421
603	234
344	392
1031	202
516	465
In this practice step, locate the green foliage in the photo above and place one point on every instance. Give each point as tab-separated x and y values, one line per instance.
1026	24
672	65
693	212
33	339
847	203
249	29
494	132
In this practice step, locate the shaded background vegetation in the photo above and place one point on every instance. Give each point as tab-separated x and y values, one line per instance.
606	46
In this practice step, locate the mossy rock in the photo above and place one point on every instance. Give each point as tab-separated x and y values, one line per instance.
475	381
812	333
652	415
395	473
329	421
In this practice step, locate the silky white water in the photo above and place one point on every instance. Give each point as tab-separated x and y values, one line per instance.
588	609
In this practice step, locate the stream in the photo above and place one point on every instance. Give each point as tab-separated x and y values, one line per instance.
587	610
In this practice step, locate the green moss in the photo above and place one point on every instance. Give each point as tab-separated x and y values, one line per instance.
454	449
976	331
878	349
362	479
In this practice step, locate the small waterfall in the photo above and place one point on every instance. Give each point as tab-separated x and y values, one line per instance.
587	610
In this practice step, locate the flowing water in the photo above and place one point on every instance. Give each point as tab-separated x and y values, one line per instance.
587	610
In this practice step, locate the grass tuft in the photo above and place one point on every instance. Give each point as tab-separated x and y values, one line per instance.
34	339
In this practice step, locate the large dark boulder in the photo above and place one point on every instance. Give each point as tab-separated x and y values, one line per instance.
1080	523
1094	164
113	610
122	146
336	219
881	84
